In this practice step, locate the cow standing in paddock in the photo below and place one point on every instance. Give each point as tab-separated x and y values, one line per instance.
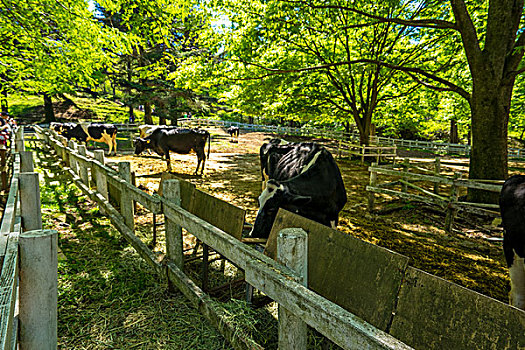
512	207
147	129
305	180
234	133
105	133
181	141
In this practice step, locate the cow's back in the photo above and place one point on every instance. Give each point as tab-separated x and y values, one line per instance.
322	181
96	130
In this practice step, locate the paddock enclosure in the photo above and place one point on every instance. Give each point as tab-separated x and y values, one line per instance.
408	289
470	255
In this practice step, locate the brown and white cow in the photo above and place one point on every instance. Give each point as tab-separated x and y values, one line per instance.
105	133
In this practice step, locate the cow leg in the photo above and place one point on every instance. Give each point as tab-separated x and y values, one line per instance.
110	146
168	160
201	157
517	283
198	164
115	143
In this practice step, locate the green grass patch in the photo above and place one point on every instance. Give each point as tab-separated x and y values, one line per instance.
109	298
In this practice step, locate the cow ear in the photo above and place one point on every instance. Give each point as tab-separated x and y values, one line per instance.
301	200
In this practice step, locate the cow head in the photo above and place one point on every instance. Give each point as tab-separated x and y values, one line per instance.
276	195
141	145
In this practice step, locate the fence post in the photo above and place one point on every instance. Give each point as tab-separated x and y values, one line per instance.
72	161
292	251
174	243
82	169
19	140
406	162
65	155
30	201
26	162
451	211
371	194
38	289
126	203
437	170
100	177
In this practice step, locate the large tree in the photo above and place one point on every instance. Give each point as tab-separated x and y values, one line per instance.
492	38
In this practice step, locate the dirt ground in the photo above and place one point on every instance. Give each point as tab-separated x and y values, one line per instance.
471	255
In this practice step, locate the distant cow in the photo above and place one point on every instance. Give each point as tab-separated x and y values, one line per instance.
305	180
61	127
105	133
55	126
512	207
176	140
234	133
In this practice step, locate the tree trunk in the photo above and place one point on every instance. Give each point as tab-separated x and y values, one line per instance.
148	119
162	118
490	116
363	125
49	113
454	136
131	114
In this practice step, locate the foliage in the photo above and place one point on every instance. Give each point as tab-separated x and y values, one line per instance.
48	46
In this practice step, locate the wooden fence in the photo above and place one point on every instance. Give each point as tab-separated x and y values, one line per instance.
429	188
283	282
28	291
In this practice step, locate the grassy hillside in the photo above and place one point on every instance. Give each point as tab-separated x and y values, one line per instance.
30	110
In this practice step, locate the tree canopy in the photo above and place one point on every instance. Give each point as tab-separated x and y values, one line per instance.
408	66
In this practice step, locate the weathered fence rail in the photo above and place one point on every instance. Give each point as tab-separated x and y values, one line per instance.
28	291
406	175
339	325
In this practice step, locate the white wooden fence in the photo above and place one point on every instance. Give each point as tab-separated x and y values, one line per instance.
431	146
284	284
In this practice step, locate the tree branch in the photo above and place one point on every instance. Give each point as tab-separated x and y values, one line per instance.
422	23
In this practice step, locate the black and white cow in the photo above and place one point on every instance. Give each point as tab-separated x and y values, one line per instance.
234	133
60	128
55	126
306	180
105	133
180	141
512	207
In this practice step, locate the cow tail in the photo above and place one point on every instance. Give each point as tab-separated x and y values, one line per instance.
209	142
